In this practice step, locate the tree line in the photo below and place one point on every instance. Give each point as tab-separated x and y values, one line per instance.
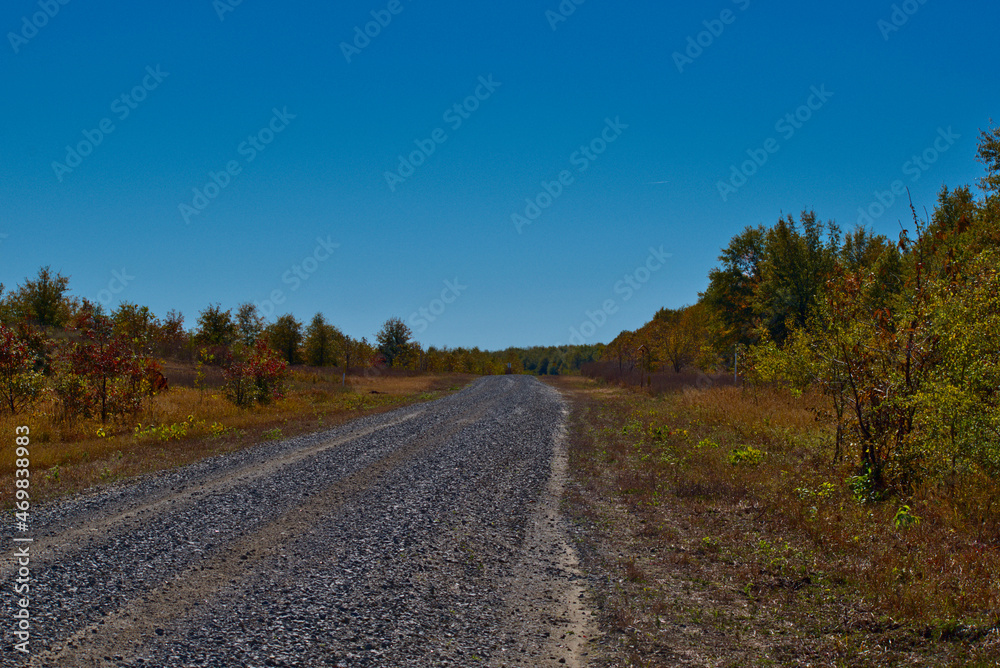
903	334
101	363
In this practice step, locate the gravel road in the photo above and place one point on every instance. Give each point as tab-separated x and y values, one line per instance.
428	536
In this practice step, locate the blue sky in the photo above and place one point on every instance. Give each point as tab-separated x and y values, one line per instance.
640	138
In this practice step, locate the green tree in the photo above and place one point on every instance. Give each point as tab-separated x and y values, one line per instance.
989	155
793	272
216	326
733	286
137	325
42	302
772	277
960	410
394	341
543	366
285	336
322	342
250	324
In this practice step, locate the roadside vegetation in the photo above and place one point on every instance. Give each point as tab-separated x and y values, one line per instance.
188	423
902	337
111	395
802	467
719	530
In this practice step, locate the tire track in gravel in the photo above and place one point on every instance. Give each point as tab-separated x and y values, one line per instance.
420	538
67	542
128	626
547	593
113	569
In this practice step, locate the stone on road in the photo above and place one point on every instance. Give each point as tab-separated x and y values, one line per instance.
429	536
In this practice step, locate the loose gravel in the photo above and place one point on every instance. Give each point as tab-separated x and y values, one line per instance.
429	536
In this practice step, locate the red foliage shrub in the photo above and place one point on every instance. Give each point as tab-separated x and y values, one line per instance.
20	384
258	378
100	374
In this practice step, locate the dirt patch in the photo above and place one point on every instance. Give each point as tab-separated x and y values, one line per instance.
548	602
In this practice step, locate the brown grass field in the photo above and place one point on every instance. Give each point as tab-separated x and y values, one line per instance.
185	424
725	535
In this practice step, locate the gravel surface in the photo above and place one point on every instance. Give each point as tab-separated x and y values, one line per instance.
429	536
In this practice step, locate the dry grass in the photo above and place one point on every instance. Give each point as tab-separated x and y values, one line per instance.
658	381
721	510
185	424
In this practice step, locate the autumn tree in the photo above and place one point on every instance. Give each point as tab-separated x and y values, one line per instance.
367	354
255	375
510	360
350	351
171	338
137	325
20	383
624	351
676	336
100	373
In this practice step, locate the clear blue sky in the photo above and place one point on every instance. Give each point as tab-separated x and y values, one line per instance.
213	83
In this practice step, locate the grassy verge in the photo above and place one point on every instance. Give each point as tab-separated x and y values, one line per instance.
720	533
184	425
